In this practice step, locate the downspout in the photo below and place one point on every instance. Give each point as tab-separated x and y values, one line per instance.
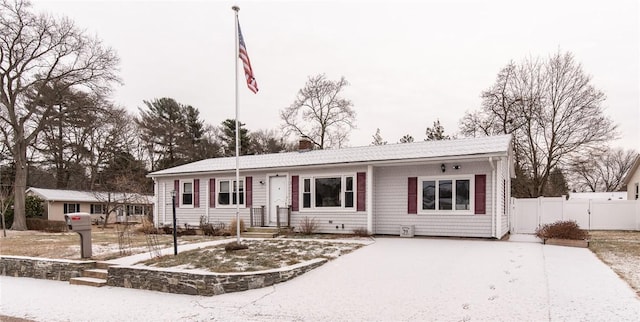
493	201
164	202
207	198
370	199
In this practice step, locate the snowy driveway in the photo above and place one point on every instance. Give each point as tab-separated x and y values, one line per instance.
391	280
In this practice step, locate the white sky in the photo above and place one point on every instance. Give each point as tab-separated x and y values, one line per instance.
409	63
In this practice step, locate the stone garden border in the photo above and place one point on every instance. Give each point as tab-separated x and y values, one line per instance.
156	279
43	268
203	283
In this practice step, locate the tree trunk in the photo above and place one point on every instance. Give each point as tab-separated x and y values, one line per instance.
20	185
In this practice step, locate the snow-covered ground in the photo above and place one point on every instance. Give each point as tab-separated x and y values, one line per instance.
391	279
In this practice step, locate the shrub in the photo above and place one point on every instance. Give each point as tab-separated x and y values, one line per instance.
209	229
233	228
562	229
46	225
361	232
147	226
233	246
308	226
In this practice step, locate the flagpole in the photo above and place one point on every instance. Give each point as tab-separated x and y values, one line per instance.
236	56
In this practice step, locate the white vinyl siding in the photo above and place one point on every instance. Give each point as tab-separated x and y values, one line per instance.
332	220
390	202
214	215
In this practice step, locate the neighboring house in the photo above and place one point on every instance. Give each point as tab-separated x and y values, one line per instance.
616	195
442	188
632	181
57	203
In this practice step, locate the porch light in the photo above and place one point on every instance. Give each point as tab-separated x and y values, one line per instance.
443	167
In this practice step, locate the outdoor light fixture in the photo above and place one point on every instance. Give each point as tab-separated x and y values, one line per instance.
443	167
456	167
175	233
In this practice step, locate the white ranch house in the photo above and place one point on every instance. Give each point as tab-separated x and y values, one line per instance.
441	188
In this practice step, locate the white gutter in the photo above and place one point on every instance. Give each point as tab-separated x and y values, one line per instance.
398	162
370	199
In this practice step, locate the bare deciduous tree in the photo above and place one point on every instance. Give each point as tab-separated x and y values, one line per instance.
602	172
40	52
320	113
267	141
552	110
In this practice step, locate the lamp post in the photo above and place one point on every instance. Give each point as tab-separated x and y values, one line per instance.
175	233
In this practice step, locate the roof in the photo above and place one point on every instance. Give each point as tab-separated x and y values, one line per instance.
481	146
89	196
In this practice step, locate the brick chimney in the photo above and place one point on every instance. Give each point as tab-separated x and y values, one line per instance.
305	144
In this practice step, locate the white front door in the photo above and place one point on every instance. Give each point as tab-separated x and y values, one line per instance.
277	197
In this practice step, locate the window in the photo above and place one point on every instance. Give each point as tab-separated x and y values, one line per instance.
187	193
449	195
135	209
348	192
637	190
71	207
306	194
328	192
97	209
227	192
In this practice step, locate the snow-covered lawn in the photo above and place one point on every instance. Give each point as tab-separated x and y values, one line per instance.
392	279
260	255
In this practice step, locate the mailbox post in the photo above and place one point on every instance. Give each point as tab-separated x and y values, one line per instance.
80	222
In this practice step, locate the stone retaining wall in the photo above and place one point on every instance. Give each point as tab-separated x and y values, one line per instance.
43	268
181	282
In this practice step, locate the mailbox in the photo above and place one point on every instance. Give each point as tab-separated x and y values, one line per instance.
80	222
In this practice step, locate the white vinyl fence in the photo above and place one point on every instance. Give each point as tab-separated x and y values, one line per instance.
528	214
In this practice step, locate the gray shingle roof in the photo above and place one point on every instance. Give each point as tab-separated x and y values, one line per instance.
88	196
490	145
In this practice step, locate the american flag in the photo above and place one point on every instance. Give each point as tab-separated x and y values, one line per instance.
248	71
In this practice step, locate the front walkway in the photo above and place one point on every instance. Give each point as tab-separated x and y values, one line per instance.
393	279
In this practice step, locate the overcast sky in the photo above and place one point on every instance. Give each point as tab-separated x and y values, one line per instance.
409	63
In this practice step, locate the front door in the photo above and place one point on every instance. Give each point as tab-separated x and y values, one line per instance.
277	197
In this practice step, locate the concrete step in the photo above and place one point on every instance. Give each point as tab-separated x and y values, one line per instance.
88	281
103	265
249	234
274	230
96	273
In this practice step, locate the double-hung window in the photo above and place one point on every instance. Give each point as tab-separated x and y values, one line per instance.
186	194
97	209
227	189
328	192
71	208
445	195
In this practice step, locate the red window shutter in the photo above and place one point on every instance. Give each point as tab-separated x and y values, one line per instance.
248	182
212	193
196	193
362	191
176	188
412	203
295	197
480	195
